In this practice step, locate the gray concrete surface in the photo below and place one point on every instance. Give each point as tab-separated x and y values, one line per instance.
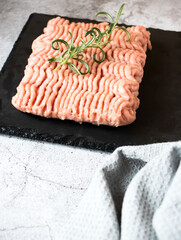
42	183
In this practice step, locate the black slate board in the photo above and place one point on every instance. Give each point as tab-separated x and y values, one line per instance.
158	118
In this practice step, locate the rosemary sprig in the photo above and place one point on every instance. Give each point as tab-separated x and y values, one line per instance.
95	39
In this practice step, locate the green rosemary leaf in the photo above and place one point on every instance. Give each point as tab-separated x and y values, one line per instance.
103	57
95	39
126	31
64	53
92	33
105	13
99	37
61	41
58	48
75	69
121	9
110	28
79	55
84	63
119	14
54	60
80	48
57	41
82	40
88	38
71	42
103	54
108	42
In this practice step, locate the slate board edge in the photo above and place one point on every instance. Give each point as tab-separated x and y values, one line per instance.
84	142
69	140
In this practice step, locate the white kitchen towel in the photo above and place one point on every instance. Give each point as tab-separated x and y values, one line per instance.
136	195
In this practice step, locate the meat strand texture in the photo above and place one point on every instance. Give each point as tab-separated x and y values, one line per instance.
107	95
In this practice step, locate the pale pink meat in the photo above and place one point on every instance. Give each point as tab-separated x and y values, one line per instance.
107	95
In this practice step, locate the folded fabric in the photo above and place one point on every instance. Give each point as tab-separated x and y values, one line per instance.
135	195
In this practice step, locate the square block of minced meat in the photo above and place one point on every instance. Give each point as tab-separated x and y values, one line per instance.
107	95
